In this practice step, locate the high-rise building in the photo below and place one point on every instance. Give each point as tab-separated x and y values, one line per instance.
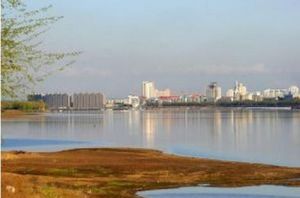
239	92
57	101
148	89
88	101
294	91
213	92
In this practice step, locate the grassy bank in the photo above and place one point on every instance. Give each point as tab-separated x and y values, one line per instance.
15	109
111	173
26	106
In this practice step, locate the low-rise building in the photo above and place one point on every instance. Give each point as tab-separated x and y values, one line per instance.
133	100
273	93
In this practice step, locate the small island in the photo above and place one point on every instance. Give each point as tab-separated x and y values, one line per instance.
121	172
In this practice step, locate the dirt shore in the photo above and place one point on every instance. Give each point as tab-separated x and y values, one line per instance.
17	114
112	173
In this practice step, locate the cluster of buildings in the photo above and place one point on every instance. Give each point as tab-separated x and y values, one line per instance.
132	101
240	93
149	90
213	94
77	101
149	93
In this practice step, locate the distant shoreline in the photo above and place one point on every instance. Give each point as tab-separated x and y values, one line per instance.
18	114
247	104
223	107
121	172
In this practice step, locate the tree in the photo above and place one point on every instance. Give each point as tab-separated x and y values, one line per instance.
23	64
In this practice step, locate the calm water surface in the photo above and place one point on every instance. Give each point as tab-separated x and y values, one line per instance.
267	136
207	192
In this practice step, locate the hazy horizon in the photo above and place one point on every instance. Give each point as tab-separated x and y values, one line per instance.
181	45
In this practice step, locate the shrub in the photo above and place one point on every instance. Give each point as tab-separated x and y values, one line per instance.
23	105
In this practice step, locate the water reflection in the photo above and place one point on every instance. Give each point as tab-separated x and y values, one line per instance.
148	129
263	191
267	136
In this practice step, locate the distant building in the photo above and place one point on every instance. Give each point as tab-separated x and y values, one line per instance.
196	98
257	96
162	93
109	104
273	93
148	89
226	99
134	101
247	96
88	101
239	92
35	97
57	101
230	93
213	92
294	91
169	99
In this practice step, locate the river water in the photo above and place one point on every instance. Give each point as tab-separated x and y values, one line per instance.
208	192
250	135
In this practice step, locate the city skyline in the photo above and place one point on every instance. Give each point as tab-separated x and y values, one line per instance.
150	98
149	90
150	95
186	44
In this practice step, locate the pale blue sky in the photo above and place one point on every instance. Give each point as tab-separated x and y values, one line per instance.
179	44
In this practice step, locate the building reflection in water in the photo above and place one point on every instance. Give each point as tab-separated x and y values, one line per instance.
240	121
217	125
157	127
134	122
148	124
148	129
67	126
261	135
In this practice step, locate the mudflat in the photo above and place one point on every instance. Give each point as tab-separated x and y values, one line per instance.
121	172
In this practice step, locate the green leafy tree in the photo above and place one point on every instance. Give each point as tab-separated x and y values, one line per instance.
23	63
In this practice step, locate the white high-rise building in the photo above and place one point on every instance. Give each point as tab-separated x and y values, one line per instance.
148	89
230	93
294	90
240	91
213	92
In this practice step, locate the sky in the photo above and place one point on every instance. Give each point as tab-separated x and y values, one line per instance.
180	44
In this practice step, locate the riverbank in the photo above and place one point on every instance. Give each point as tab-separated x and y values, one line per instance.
122	172
17	114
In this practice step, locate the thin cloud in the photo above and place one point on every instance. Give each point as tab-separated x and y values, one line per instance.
86	71
259	68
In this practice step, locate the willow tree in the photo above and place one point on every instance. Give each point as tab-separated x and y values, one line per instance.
23	62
